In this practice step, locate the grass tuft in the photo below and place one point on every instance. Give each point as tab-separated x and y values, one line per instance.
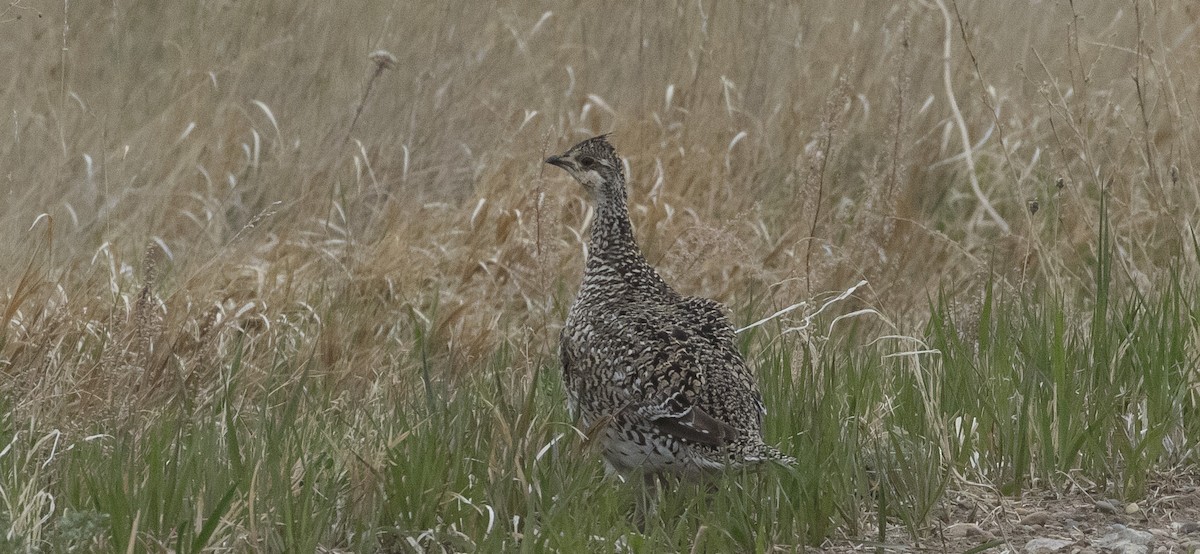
297	286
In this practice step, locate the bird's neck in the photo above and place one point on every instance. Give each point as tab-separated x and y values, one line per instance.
614	257
612	234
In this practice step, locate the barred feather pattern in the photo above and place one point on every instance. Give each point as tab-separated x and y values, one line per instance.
654	376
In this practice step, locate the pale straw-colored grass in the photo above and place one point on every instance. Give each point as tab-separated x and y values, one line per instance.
188	183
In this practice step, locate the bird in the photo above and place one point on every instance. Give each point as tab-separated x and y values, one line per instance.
656	377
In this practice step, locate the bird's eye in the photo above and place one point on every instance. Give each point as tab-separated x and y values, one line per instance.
587	161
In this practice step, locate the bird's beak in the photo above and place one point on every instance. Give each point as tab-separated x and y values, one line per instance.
558	161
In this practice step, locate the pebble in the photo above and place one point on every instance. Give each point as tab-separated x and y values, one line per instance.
1123	540
1186	528
1046	546
1132	508
959	530
1106	506
1037	518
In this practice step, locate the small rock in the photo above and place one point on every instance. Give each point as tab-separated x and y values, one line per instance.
1186	528
1123	540
1106	507
1046	546
959	530
1037	518
1132	508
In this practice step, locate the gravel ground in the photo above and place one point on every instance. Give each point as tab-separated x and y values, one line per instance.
1075	521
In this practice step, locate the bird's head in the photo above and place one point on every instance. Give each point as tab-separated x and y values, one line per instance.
594	163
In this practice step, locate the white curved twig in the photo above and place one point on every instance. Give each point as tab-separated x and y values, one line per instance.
968	155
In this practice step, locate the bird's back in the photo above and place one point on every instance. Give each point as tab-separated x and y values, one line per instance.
663	375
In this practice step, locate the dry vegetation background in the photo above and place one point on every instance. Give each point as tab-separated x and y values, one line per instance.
175	172
182	180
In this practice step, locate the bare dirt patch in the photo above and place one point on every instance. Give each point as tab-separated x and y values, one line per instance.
1076	520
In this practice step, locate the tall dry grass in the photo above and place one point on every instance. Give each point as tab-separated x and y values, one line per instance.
180	175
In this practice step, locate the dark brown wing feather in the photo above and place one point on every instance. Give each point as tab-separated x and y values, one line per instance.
697	426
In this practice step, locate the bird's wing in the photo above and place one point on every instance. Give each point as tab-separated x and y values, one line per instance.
707	317
693	379
679	418
727	369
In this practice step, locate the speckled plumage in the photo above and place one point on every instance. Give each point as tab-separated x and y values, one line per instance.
654	375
